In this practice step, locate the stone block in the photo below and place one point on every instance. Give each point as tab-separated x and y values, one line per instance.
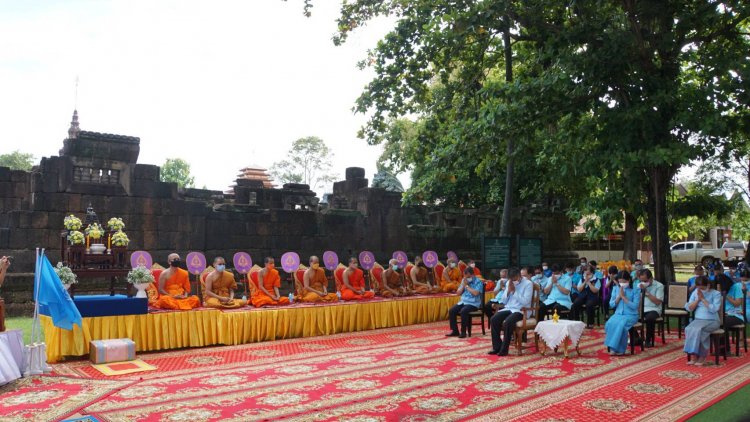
4	238
50	182
146	172
7	189
296	186
19	176
352	173
5	174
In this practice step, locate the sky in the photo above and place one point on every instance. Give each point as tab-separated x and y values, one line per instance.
221	84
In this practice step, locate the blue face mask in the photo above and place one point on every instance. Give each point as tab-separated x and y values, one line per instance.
220	267
395	268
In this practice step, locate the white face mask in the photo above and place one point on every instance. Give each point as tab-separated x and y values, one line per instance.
517	282
544	268
624	285
472	265
453	265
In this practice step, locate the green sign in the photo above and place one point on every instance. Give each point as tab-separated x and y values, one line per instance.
496	252
529	251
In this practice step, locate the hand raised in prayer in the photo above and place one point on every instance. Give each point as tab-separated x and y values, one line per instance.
4	263
179	296
700	294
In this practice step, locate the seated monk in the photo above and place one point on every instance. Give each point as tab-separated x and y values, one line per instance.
220	286
174	287
316	284
451	278
269	281
419	278
393	282
353	279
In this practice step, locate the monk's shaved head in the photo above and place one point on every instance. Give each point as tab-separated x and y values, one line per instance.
393	262
172	257
314	259
219	259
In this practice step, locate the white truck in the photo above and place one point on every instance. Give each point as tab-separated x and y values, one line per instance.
694	253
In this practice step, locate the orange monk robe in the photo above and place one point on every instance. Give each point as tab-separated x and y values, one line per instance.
178	284
393	280
318	281
422	278
356	279
454	275
221	286
270	280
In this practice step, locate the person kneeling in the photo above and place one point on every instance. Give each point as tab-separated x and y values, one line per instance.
470	290
517	296
705	302
174	287
625	300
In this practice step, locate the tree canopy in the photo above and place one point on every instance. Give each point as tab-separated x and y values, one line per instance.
177	170
308	161
17	160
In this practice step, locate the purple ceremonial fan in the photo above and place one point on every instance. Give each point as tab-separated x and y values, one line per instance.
196	262
430	259
366	260
242	262
141	259
452	255
331	260
290	262
401	258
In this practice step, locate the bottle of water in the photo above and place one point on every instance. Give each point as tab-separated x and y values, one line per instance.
244	298
291	298
338	293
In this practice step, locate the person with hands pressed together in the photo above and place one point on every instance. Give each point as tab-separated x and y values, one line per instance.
653	296
4	265
625	299
588	294
705	302
558	293
517	297
470	291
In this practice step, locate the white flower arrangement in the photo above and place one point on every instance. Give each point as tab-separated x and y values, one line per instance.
67	276
140	275
75	238
95	231
115	224
72	222
120	239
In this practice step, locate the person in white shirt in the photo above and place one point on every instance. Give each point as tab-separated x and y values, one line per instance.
517	296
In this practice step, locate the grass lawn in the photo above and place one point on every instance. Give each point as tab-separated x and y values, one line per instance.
21	323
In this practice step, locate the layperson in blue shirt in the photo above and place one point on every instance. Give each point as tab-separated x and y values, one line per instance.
546	270
705	302
575	278
626	299
698	271
732	272
542	281
517	296
607	287
588	294
496	302
637	266
653	296
558	293
470	290
733	306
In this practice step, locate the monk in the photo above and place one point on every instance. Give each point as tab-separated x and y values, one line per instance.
316	284
393	282
354	283
419	280
220	287
174	287
269	281
451	277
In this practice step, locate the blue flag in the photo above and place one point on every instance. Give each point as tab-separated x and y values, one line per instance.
52	294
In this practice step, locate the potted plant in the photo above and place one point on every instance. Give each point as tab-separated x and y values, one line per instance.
120	239
67	276
140	277
75	238
72	223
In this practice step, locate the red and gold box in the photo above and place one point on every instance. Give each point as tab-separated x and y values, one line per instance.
114	350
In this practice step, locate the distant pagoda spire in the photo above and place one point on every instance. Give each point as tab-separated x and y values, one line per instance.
74	128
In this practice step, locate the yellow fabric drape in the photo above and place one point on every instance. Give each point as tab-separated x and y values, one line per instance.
173	330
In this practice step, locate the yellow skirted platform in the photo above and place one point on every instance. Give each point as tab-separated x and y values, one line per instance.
209	327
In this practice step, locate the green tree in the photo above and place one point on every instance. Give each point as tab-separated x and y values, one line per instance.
17	160
308	161
177	171
644	86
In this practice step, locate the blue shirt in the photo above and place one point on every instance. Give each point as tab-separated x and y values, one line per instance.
548	273
691	281
634	300
469	299
555	295
521	298
735	292
736	277
586	291
710	312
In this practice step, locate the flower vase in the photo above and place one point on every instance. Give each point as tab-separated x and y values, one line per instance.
66	286
141	289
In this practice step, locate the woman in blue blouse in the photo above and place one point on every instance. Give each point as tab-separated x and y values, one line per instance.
625	300
705	302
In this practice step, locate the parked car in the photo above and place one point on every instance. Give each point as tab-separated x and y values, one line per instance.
695	253
737	249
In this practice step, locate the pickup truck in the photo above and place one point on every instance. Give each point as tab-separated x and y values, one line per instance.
736	250
695	253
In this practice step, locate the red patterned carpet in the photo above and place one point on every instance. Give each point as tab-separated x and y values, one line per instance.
402	374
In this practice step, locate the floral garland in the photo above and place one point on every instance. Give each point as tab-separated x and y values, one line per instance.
75	238
72	222
120	239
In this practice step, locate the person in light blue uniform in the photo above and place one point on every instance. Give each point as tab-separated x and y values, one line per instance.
517	297
558	293
542	281
733	305
705	302
637	267
470	291
496	303
607	287
546	270
575	277
698	271
732	272
625	300
588	294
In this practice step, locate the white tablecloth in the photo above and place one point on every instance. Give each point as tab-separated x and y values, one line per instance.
553	333
11	356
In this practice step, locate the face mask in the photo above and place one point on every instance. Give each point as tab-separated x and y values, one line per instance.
517	282
473	265
638	266
270	266
175	263
624	285
395	268
544	268
315	266
220	267
704	288
453	265
583	263
570	272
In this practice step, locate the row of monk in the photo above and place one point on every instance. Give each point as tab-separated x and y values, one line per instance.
172	289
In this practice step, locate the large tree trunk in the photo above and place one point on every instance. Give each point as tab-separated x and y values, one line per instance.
510	167
630	252
658	222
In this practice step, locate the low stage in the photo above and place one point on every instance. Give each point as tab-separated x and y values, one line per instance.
164	330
